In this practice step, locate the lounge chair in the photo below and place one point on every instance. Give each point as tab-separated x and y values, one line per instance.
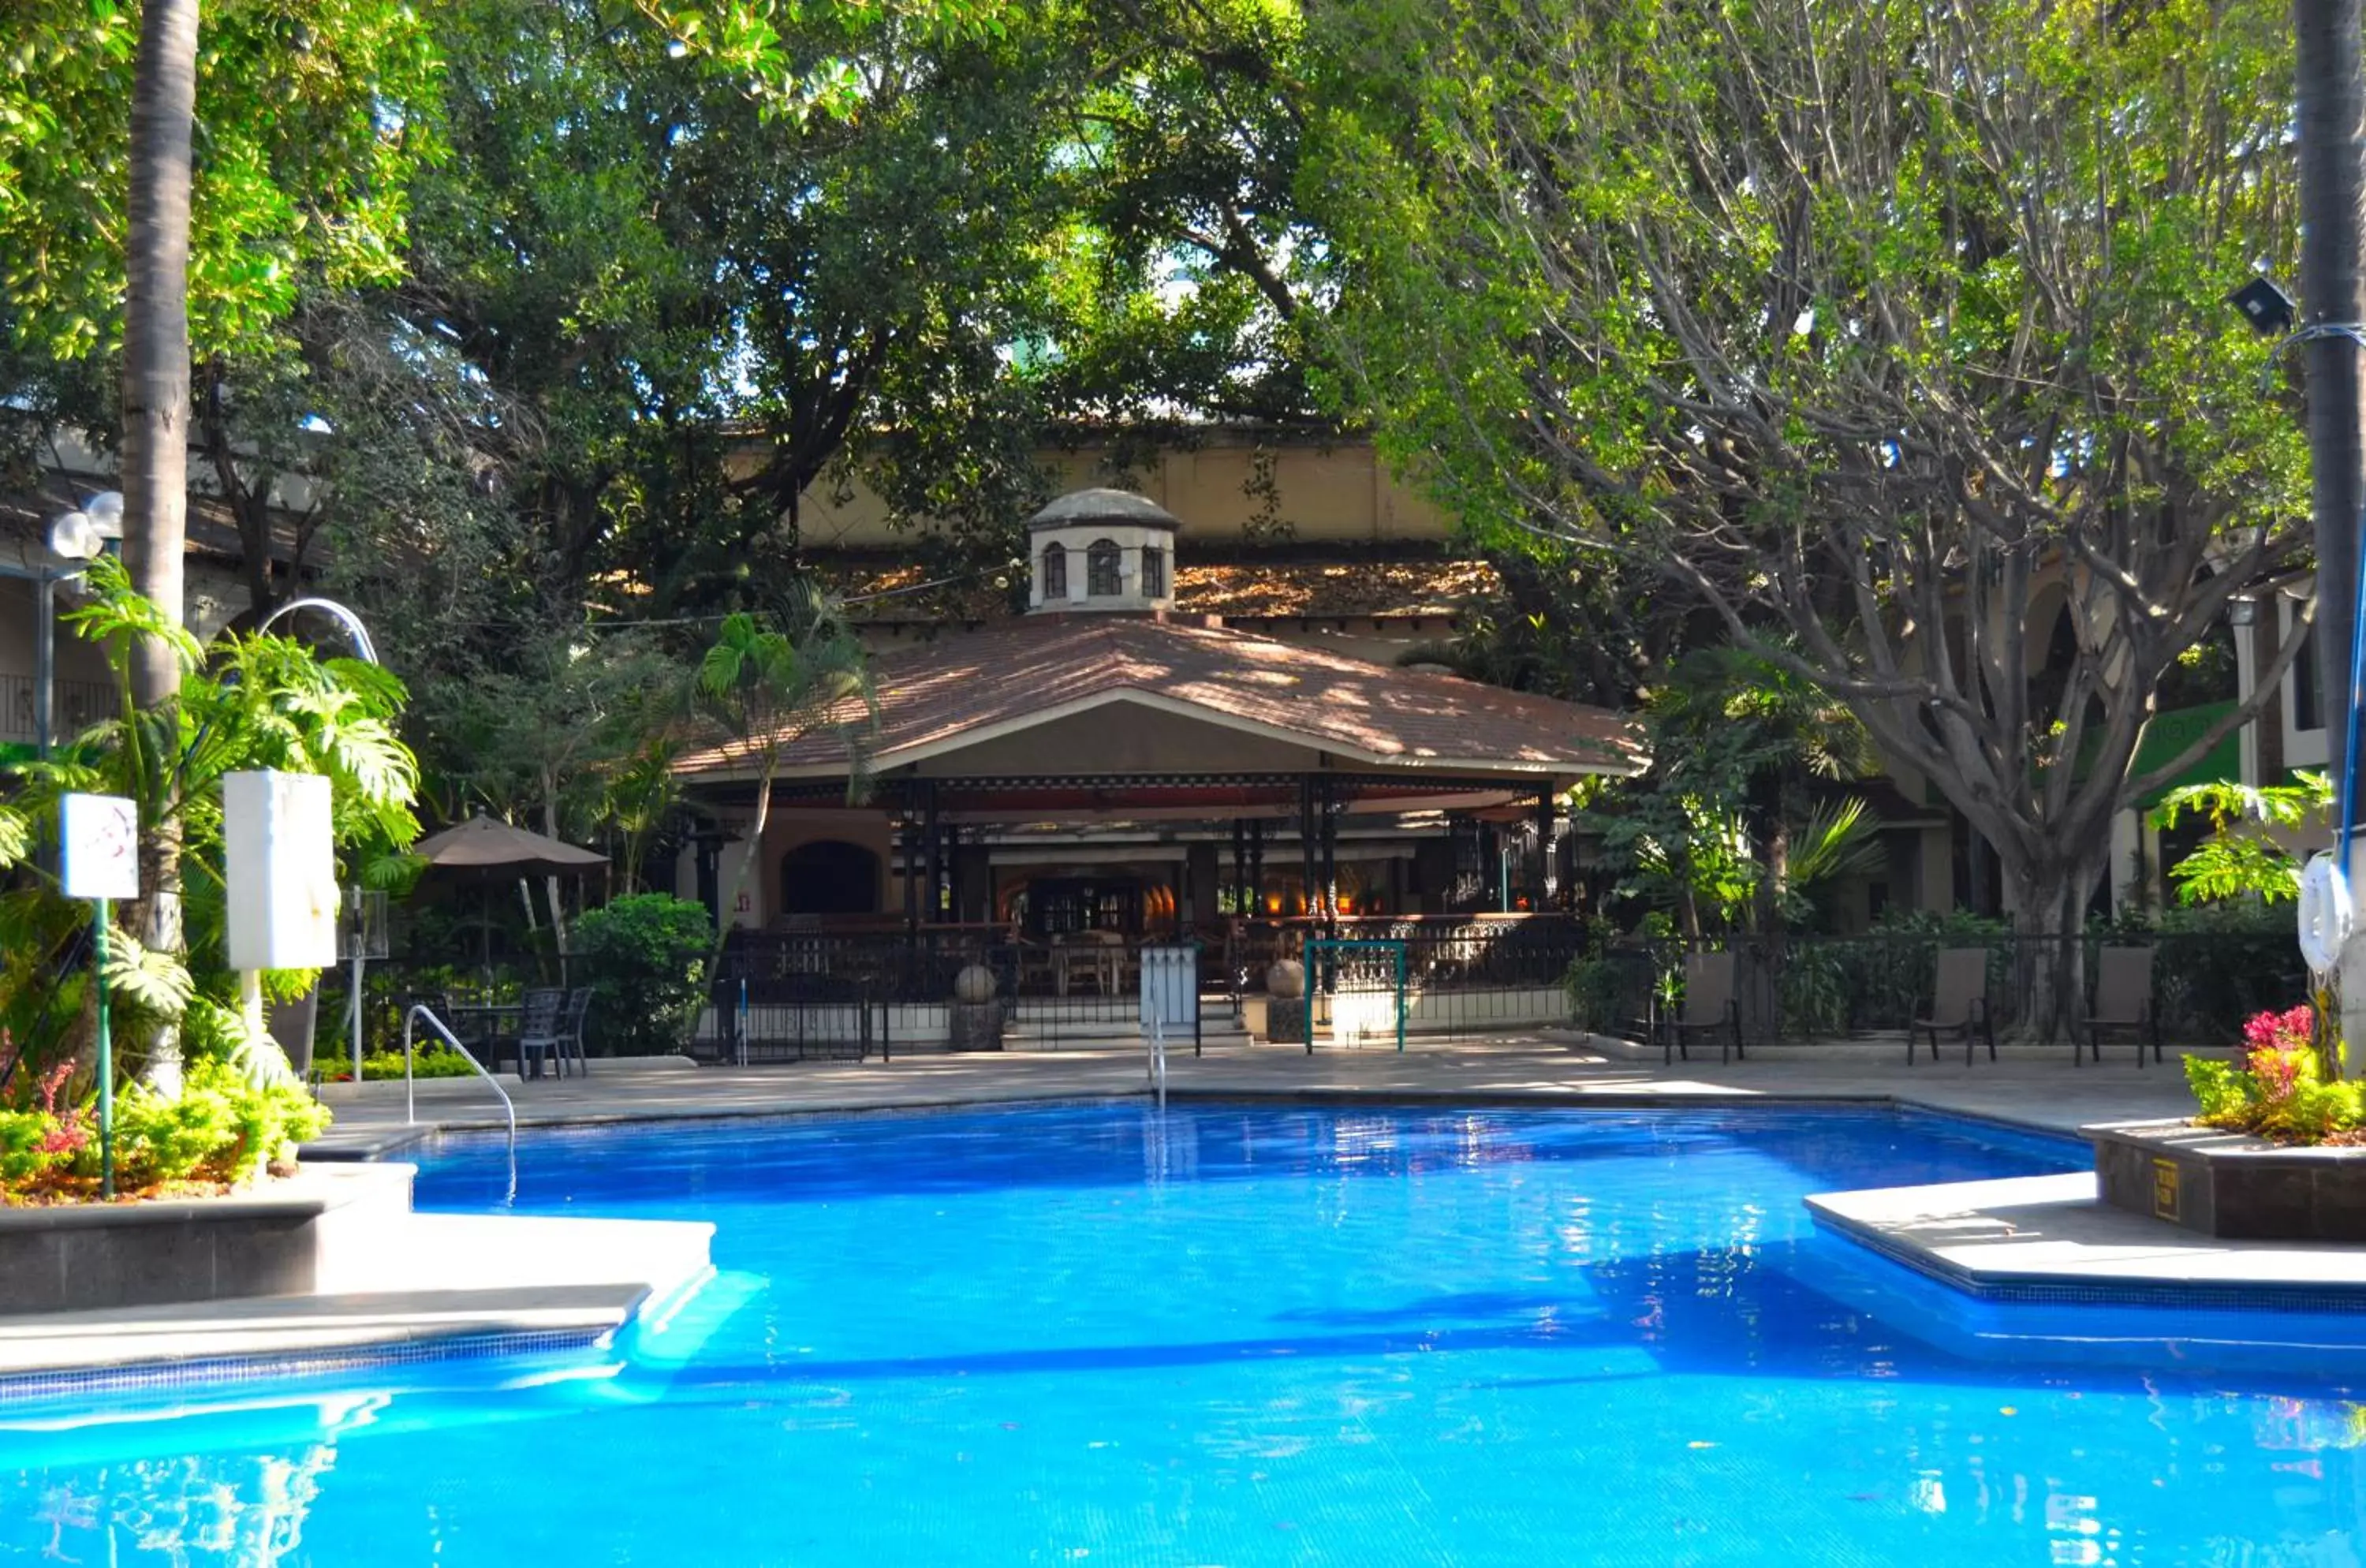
1709	1007
2122	1002
1959	1002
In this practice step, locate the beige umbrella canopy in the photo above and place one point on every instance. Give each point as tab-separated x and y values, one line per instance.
481	850
491	849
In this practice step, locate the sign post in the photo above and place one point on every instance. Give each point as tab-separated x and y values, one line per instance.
99	838
279	865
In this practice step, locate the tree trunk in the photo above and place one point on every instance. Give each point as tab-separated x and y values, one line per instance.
2049	920
156	456
550	884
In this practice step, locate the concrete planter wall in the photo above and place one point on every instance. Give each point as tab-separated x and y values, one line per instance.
2230	1184
266	1242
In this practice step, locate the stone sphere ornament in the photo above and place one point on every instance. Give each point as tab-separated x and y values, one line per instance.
975	983
1285	978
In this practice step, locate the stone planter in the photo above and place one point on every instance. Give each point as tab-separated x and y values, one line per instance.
2230	1184
267	1241
974	1026
1285	1020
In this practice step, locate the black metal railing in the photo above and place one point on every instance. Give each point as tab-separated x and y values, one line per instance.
76	705
2204	984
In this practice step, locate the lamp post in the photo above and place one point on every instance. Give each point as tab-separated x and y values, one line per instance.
74	538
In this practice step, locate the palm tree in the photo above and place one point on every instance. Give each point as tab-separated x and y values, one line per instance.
156	414
772	678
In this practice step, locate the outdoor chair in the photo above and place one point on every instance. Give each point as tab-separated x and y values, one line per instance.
1959	1003
2123	1003
538	1026
1100	954
570	1030
1709	1007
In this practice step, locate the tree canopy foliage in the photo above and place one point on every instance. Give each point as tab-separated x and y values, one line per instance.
1894	333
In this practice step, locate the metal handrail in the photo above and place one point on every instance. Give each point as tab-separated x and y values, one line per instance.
409	1098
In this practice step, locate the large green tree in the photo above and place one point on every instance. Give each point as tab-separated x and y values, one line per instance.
1895	333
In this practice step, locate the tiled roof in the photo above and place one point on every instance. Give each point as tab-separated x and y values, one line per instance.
944	694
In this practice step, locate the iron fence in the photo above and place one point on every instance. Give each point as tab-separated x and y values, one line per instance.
2205	983
76	705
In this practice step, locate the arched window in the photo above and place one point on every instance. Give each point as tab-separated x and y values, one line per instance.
1102	578
829	877
1153	572
1055	572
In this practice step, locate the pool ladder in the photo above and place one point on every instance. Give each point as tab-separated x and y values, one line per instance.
410	1097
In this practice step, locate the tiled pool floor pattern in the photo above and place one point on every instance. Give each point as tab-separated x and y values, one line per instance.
1260	1335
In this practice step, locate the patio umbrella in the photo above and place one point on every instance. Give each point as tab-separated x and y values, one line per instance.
485	851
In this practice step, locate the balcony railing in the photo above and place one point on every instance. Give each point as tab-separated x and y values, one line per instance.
74	707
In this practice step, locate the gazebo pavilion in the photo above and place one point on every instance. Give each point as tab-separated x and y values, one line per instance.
1099	772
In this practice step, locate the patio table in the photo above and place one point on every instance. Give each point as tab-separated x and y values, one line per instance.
485	1027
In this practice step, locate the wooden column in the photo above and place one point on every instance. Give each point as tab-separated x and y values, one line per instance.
1256	866
1241	890
1330	808
1309	832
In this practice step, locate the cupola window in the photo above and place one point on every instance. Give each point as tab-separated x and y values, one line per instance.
1055	572
1153	572
1102	578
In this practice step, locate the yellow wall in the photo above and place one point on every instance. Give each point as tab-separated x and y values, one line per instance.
1336	494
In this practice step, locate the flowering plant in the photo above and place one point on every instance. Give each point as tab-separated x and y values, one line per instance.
2280	1089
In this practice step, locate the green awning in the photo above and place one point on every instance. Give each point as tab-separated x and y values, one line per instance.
2170	733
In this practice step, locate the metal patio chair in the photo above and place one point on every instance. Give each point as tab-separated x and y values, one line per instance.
538	1034
1710	1006
570	1030
2123	1002
1959	1003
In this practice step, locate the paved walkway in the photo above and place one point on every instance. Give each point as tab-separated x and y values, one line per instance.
2044	1092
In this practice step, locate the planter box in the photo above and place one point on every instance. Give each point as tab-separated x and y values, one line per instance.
264	1242
2230	1184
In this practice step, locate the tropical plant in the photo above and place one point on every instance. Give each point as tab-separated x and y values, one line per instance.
2280	1089
769	680
1726	828
2240	858
247	703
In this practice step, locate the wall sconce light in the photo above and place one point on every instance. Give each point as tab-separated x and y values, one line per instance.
2268	309
2242	611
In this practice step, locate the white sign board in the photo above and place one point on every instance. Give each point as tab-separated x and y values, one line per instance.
98	838
279	864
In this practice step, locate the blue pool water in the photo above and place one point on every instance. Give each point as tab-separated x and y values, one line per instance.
1256	1335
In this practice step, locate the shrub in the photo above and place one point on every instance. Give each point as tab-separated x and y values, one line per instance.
2279	1089
221	1129
435	1062
645	954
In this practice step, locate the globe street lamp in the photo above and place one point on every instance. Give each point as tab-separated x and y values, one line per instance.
73	540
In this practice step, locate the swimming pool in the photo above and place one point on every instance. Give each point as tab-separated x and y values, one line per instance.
1249	1335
